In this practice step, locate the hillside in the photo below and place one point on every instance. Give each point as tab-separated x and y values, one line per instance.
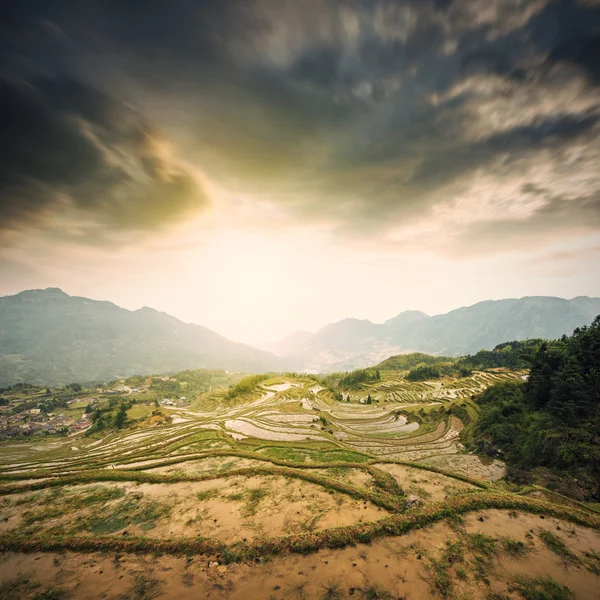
548	428
486	324
49	337
353	343
285	487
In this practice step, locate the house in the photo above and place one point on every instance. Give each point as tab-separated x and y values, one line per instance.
80	425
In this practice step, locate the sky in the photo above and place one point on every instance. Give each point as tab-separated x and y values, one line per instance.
264	166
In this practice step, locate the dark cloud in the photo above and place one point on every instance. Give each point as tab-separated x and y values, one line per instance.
355	111
67	145
583	52
513	144
555	221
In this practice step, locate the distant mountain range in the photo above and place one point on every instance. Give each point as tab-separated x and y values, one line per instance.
49	337
353	343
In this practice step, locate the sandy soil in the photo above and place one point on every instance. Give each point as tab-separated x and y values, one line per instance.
477	467
356	477
430	487
208	465
223	509
397	564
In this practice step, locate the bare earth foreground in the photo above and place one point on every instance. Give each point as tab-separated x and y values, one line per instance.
289	493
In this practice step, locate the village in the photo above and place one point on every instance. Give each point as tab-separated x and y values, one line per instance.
36	411
34	421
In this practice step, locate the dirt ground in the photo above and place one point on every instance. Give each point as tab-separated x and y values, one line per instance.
426	485
227	509
207	465
477	467
398	565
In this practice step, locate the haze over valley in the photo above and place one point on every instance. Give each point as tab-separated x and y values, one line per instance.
49	337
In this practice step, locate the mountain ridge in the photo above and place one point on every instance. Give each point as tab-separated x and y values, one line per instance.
464	330
48	336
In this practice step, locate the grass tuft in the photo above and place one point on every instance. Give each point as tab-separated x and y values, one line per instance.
557	545
374	591
514	548
143	588
332	590
541	588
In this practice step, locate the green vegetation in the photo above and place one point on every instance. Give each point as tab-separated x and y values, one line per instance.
131	510
423	373
355	378
557	545
374	591
510	355
28	588
100	341
514	548
333	590
245	386
113	414
541	588
549	427
144	588
406	362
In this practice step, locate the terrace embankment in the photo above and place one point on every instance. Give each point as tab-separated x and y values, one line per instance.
492	554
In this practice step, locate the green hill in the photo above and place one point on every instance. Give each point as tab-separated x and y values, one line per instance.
49	337
549	427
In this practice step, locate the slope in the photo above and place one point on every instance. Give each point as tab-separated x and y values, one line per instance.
47	336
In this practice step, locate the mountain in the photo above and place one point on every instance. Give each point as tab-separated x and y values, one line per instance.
334	347
351	343
49	337
408	317
485	324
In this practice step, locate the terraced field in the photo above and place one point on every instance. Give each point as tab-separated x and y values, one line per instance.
282	469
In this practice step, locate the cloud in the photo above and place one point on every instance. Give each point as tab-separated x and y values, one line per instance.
558	219
360	115
69	149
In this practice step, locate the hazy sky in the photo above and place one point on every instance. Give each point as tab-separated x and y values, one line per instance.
261	166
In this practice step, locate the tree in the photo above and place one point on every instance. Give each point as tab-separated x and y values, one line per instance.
369	399
121	417
423	373
553	420
88	409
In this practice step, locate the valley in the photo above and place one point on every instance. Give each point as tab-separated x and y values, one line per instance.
287	485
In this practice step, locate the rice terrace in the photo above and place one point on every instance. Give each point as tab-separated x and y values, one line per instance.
224	485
